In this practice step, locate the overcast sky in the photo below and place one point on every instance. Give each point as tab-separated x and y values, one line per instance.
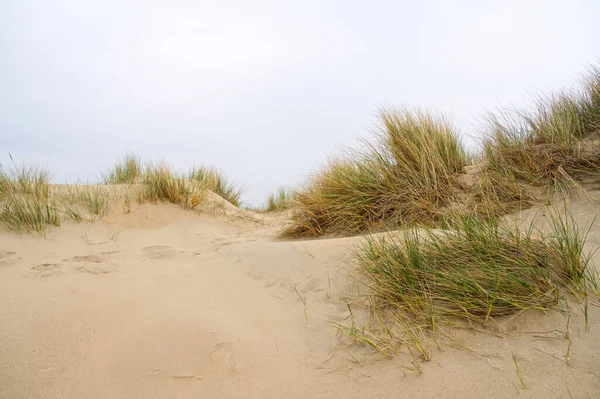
264	90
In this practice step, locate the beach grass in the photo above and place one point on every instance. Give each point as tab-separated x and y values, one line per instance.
25	203
472	275
160	183
555	147
216	181
407	174
281	200
128	170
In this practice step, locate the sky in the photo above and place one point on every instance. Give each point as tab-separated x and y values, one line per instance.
265	91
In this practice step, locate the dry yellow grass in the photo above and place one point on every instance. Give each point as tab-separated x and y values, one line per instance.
408	174
554	148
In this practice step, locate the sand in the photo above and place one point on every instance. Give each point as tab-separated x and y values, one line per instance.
166	303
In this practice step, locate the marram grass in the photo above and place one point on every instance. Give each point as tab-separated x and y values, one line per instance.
161	184
281	200
215	181
28	213
407	175
84	202
129	170
29	204
25	203
469	275
554	147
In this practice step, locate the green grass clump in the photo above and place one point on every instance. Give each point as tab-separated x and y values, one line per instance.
84	202
281	200
29	213
161	184
25	203
498	192
215	181
555	146
129	170
95	199
24	180
407	175
476	271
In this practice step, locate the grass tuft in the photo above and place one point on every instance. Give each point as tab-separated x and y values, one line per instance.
281	200
161	184
84	202
215	181
29	213
24	180
407	175
128	170
554	147
25	203
479	270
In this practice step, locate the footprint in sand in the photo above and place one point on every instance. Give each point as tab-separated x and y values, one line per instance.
47	270
8	257
313	285
94	264
270	283
222	241
97	268
161	252
256	275
85	258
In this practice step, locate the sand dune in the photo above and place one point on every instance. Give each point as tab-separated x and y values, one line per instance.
167	303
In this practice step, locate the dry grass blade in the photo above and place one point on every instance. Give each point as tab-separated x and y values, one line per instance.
519	372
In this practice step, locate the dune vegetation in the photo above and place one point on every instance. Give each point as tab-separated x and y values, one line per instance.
215	181
407	175
478	270
555	144
281	200
29	203
423	281
25	200
160	183
83	202
553	148
410	172
165	184
128	170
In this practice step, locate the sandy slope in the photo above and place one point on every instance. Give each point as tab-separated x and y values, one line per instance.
164	303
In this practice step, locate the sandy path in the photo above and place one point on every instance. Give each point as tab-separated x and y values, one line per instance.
183	306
